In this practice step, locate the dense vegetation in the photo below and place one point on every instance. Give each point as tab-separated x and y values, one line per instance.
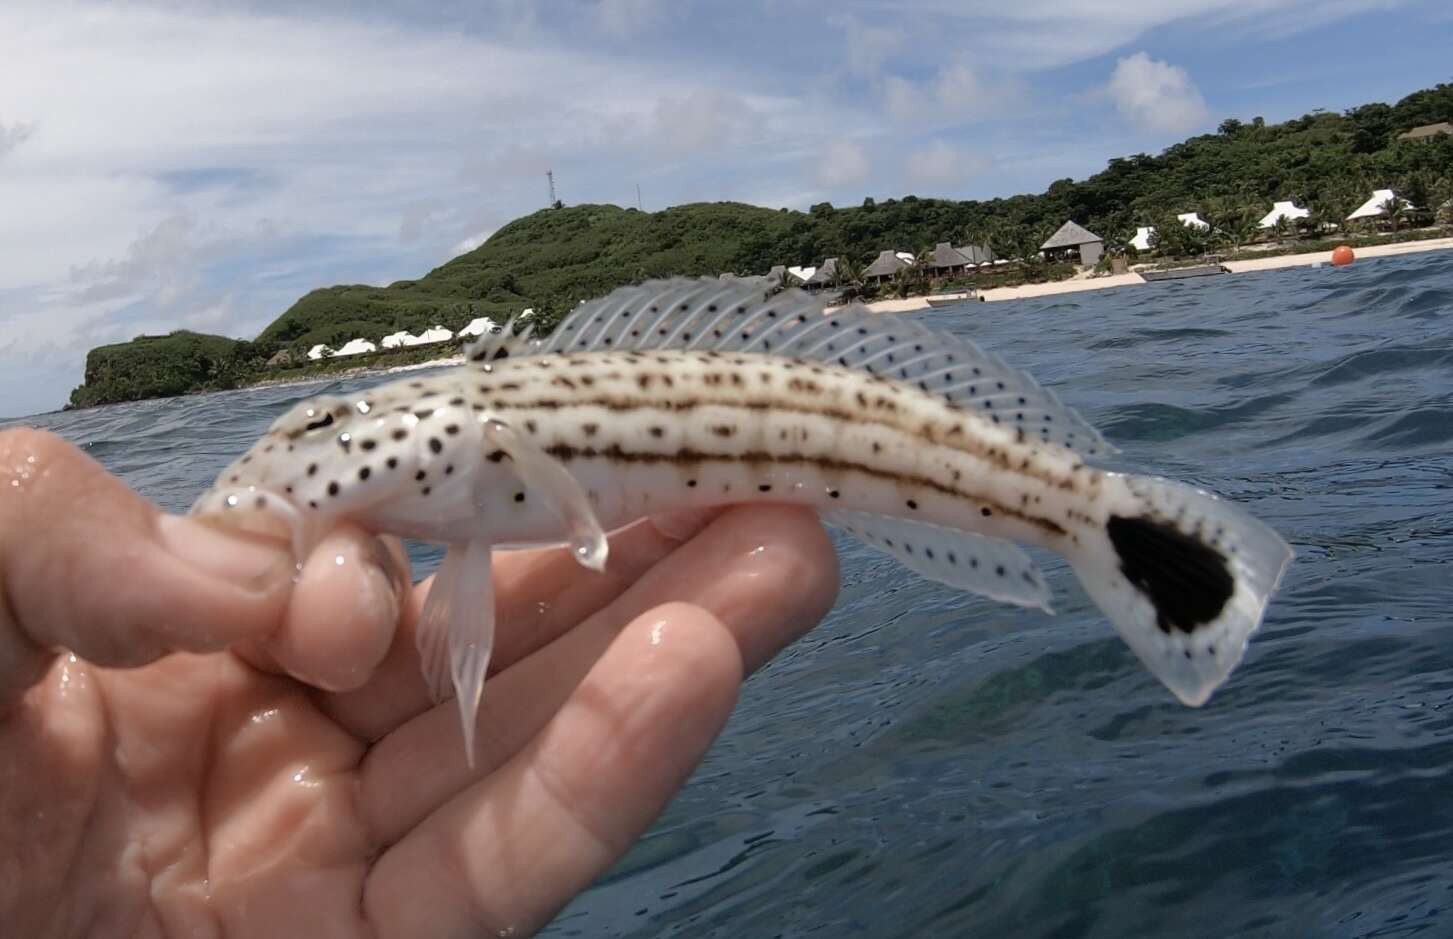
554	258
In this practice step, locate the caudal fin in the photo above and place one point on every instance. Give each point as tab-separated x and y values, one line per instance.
1185	577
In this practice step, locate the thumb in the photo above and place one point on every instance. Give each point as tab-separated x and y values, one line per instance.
89	566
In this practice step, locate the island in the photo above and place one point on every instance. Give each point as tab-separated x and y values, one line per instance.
1211	192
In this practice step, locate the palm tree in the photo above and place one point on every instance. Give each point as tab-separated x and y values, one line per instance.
849	276
1394	210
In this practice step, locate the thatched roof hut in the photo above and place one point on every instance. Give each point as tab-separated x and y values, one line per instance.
1074	239
946	259
884	266
824	276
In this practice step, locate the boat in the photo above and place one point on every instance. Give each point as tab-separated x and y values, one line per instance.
1180	273
952	299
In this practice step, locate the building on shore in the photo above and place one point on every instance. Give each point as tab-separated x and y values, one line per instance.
1073	242
355	347
1376	207
886	266
824	276
1287	209
479	326
946	260
1428	131
978	254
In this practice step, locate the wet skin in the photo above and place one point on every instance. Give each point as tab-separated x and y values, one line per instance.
225	752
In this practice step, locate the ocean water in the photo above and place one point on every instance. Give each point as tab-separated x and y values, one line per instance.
927	763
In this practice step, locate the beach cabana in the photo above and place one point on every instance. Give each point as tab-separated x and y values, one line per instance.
824	276
1072	240
1373	208
479	326
320	351
1141	241
977	254
355	347
428	336
802	274
947	259
887	264
1282	210
396	340
1193	220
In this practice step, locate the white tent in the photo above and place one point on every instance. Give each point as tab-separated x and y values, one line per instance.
802	273
1373	207
356	347
395	340
318	352
906	257
1143	234
480	326
437	334
1282	210
1193	220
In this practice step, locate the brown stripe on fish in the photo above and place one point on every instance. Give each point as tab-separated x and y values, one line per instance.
954	438
695	458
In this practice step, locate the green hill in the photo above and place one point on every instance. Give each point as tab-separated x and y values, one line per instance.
556	257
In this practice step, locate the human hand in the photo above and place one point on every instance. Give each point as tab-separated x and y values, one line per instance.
229	753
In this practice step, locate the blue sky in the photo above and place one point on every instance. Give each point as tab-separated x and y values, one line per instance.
201	165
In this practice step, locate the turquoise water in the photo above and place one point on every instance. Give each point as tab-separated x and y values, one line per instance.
925	763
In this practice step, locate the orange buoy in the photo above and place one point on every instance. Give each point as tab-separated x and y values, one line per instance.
1342	256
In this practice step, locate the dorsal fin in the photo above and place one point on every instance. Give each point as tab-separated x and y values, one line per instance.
736	316
500	341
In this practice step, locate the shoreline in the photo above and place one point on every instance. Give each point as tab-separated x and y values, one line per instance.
1245	265
993	295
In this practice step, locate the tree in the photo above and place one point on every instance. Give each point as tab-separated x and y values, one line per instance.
1394	210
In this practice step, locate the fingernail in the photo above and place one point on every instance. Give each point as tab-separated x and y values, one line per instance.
253	560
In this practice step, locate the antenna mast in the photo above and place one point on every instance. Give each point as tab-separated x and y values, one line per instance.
638	198
550	178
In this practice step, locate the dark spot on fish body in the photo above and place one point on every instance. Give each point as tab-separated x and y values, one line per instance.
519	497
435	445
312	469
912	504
392	462
333	489
724	430
590	429
420	475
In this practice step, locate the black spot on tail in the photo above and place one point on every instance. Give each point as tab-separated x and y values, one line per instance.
1186	580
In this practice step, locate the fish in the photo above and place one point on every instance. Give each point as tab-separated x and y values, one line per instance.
683	394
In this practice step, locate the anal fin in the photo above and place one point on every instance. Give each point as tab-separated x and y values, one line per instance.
455	634
990	567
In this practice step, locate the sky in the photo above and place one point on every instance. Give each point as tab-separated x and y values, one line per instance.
200	165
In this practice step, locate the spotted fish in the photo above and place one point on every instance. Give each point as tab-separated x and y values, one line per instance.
690	393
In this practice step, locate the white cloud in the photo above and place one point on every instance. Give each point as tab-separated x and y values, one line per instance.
956	94
942	166
844	164
13	135
467	245
626	18
1156	96
868	47
705	119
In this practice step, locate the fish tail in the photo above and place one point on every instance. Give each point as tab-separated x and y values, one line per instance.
1185	577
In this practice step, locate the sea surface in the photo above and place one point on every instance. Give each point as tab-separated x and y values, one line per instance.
928	763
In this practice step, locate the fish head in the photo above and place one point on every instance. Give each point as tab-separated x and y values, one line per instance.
328	457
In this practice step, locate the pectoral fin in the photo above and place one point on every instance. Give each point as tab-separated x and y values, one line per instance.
456	632
548	478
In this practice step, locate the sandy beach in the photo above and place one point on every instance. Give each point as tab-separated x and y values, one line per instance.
1083	282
